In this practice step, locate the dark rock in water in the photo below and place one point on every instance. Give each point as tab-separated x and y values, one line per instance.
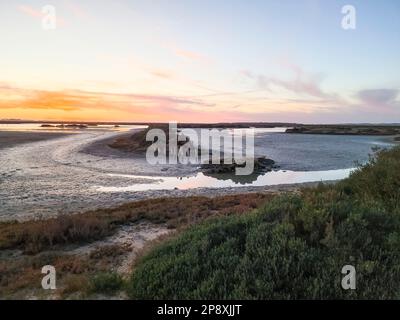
219	168
263	161
261	164
72	126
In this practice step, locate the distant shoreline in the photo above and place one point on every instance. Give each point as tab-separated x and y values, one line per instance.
180	124
365	130
238	124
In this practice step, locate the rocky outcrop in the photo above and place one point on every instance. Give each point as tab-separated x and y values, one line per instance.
76	126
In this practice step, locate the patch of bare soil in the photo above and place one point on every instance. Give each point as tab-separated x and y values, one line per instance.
130	239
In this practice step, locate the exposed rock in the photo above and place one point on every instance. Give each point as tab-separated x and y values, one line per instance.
261	164
73	126
76	126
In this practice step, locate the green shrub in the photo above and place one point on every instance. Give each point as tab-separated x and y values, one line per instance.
106	283
292	248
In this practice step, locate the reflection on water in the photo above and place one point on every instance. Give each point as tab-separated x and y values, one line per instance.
243	180
202	181
316	152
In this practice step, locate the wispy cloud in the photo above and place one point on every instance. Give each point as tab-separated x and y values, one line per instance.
378	102
77	10
191	55
73	100
162	74
186	54
380	98
303	83
30	11
38	14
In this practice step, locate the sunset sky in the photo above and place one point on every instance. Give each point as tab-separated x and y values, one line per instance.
200	61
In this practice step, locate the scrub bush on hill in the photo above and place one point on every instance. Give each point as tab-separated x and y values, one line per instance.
292	248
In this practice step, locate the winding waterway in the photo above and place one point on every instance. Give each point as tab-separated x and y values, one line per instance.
55	176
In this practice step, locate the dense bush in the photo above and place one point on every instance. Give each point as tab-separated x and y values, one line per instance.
293	248
106	283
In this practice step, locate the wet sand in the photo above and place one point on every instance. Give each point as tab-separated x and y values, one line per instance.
48	177
66	173
10	139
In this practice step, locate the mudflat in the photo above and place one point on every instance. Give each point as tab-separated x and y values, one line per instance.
12	138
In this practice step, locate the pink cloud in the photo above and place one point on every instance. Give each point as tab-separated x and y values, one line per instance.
191	55
303	83
77	10
379	100
28	10
38	14
71	100
186	54
162	74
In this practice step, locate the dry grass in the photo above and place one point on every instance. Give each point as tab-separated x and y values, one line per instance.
109	252
17	276
35	236
23	275
73	284
43	242
21	278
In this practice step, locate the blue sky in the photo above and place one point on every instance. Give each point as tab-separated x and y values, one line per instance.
192	60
